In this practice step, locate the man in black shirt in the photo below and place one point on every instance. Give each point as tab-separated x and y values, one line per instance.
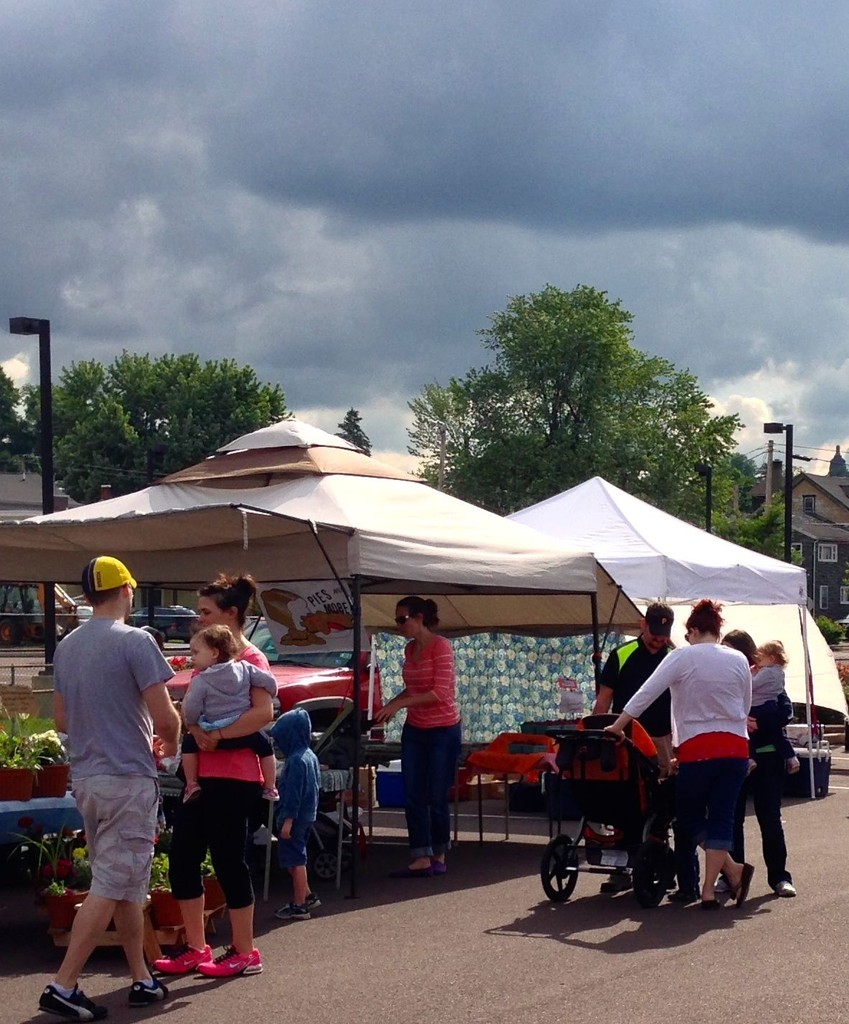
625	671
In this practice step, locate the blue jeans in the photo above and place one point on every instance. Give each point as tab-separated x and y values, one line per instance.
428	764
706	798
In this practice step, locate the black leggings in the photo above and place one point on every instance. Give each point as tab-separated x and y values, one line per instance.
217	821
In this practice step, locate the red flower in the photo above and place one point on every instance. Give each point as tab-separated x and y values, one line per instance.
26	822
47	871
64	869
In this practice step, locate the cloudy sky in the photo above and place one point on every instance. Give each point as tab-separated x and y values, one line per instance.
340	193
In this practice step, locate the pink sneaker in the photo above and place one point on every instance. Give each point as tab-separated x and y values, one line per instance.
270	793
191	792
183	960
230	963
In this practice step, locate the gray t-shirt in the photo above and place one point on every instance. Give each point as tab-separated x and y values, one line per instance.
101	670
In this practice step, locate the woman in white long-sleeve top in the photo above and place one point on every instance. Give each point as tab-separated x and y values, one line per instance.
711	690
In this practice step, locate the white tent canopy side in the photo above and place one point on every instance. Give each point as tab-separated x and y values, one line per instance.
655	556
395	536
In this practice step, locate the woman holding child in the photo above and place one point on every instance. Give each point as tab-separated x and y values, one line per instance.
231	785
771	756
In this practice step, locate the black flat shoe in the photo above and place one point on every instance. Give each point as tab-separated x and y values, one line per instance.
710	905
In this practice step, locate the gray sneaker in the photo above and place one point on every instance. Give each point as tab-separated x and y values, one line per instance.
785	889
293	912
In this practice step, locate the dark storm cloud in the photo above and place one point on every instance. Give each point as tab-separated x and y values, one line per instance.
340	194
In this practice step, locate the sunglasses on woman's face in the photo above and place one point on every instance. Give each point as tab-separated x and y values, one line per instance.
401	619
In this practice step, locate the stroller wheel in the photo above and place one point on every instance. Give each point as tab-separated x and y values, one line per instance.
653	866
559	868
323	865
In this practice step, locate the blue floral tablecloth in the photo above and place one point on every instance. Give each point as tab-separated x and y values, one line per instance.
503	680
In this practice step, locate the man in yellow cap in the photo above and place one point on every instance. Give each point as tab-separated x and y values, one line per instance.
110	698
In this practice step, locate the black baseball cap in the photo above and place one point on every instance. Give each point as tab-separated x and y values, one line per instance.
659	618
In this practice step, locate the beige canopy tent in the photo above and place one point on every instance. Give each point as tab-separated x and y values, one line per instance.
292	503
275	511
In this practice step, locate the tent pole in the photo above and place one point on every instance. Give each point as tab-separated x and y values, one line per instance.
596	643
809	698
356	607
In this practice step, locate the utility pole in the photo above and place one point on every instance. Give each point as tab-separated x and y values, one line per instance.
768	481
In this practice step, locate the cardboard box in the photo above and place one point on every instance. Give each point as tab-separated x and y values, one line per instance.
367	790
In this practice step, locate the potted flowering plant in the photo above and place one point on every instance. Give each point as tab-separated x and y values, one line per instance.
19	760
60	866
53	768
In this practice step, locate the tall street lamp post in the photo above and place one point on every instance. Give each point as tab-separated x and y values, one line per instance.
32	325
706	470
787	430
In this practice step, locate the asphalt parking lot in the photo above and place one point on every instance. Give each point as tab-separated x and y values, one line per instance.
482	944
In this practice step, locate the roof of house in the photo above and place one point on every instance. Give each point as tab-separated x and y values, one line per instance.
816	529
836	487
20	496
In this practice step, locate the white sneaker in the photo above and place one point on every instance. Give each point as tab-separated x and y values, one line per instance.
722	885
785	889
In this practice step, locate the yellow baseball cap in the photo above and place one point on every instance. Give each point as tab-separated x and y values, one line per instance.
106	573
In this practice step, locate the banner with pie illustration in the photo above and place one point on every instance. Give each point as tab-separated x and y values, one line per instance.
309	616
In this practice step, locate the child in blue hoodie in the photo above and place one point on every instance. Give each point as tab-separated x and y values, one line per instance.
297	809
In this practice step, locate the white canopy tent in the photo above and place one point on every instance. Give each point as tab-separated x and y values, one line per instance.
655	556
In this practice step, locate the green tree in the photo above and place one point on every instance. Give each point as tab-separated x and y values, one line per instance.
761	531
565	397
18	438
141	418
352	431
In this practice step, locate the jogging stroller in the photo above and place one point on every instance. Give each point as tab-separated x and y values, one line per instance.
625	810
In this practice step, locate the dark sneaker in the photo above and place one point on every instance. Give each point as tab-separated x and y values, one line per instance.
146	995
293	912
183	960
74	1007
312	902
230	963
684	896
620	882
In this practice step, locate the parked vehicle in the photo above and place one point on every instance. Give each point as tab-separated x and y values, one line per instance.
174	621
22	613
302	675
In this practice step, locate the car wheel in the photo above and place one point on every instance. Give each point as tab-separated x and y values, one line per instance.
11	633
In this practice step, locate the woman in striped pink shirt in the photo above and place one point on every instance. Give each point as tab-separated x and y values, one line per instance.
430	740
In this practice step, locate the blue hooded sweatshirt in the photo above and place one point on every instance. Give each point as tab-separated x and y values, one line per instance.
299	780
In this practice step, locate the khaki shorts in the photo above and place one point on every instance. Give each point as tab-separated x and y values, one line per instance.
119	815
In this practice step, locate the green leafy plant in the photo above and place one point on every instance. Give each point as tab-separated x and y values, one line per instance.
159	880
17	749
831	630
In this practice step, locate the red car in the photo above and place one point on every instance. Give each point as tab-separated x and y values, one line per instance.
303	675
